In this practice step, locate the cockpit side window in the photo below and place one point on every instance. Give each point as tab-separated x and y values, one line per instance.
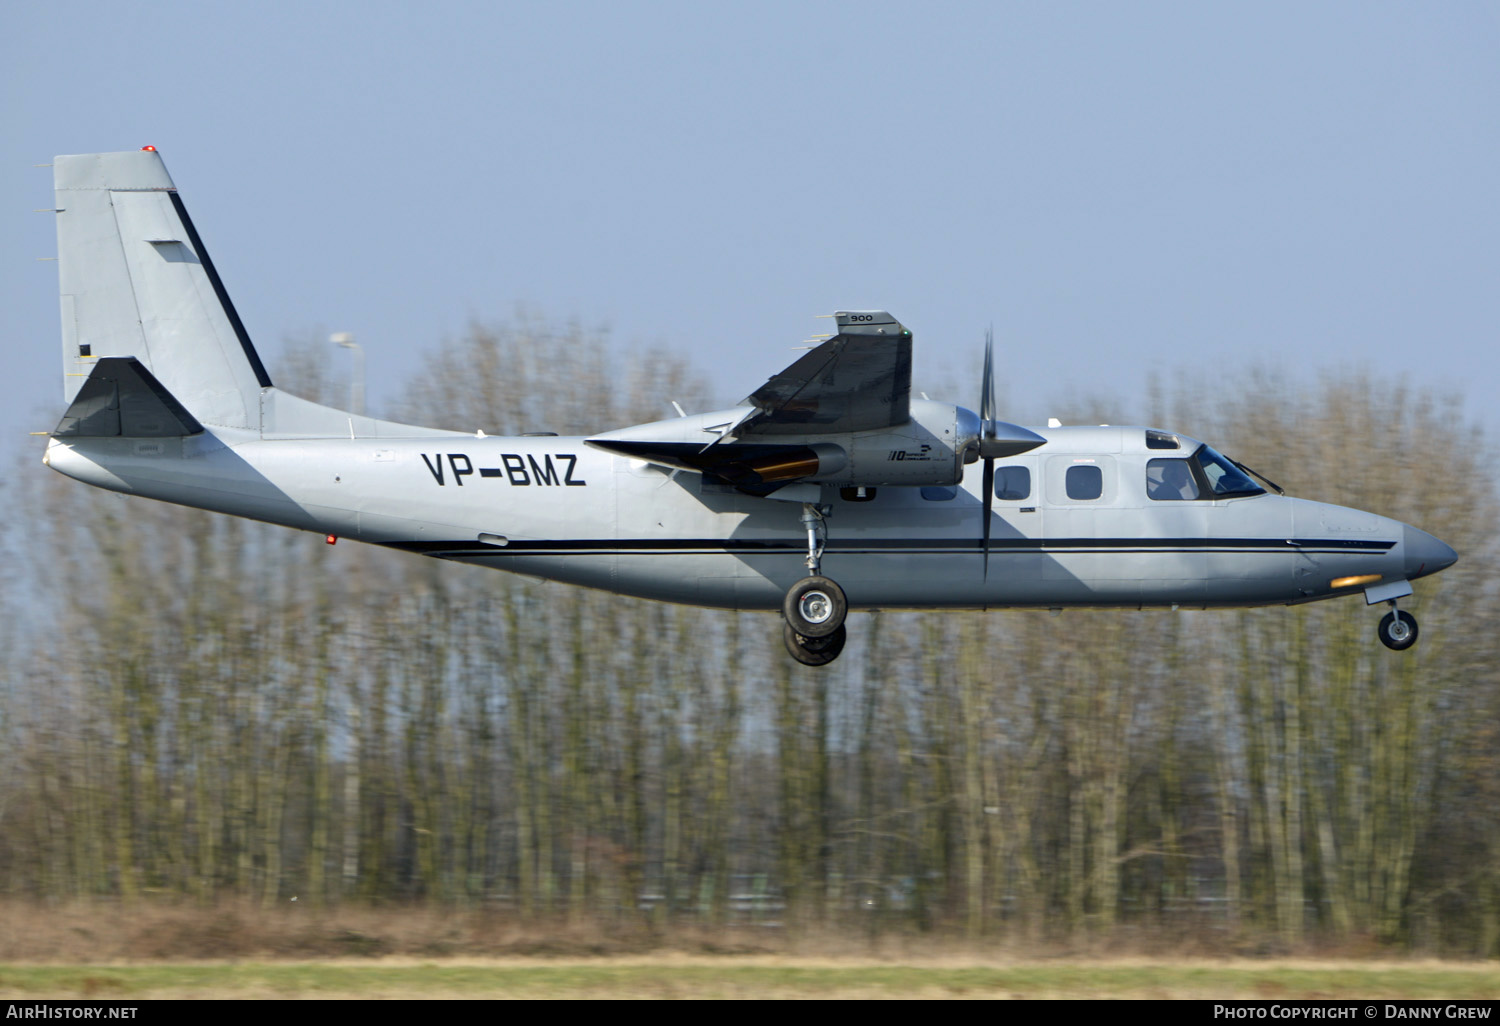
1170	480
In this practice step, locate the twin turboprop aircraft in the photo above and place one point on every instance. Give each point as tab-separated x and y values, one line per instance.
829	489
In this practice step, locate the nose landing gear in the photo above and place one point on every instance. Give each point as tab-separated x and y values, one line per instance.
1397	630
815	606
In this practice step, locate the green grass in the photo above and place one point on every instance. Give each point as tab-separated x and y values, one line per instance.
729	978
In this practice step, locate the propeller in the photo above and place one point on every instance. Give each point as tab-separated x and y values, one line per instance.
997	439
986	432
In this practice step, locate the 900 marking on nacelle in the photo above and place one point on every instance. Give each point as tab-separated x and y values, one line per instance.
515	469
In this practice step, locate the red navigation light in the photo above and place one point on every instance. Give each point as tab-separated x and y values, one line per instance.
149	149
332	539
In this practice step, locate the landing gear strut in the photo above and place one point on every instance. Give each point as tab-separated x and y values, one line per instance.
815	606
1398	630
813	518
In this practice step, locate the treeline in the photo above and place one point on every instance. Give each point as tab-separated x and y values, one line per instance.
201	707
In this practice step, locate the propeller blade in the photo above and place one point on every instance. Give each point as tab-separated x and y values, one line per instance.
989	499
987	432
997	439
987	387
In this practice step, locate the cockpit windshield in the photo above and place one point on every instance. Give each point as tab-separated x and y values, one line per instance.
1226	479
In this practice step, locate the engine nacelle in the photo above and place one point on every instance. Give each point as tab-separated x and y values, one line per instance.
931	448
927	450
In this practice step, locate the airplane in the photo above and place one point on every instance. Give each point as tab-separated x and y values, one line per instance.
910	503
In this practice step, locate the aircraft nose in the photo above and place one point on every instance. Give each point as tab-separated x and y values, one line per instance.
1425	554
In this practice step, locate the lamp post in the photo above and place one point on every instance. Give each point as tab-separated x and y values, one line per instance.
345	340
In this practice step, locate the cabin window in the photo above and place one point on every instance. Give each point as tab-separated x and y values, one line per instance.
1085	481
1170	479
938	493
1161	440
1012	484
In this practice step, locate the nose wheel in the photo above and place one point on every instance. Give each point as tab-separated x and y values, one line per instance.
1398	630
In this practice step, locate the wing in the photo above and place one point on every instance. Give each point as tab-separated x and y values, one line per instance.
856	381
757	468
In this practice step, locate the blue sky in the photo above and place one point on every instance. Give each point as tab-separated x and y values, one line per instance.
1117	187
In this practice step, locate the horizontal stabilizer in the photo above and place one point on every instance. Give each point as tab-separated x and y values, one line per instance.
121	398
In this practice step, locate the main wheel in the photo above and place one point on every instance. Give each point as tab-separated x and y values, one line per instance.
1398	630
814	651
815	607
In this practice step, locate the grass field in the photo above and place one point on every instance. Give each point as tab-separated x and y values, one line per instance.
153	949
668	976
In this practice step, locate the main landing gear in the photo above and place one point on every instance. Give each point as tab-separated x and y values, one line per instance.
814	651
1397	630
814	607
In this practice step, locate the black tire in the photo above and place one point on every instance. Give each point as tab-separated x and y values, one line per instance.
1398	638
814	651
815	607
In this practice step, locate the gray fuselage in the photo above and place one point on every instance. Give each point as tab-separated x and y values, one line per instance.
556	508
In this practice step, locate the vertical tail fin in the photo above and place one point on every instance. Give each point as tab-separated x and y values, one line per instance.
136	282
